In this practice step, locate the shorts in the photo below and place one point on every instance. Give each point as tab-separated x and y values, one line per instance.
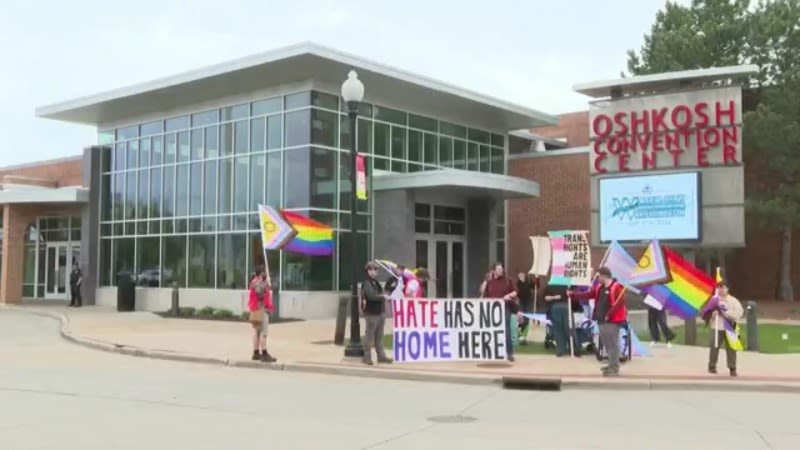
262	327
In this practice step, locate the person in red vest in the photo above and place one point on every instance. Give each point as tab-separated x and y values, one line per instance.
609	312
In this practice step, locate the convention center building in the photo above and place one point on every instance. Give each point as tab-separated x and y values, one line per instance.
170	192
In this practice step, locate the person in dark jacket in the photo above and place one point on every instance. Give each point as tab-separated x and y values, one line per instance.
609	312
75	281
373	306
657	322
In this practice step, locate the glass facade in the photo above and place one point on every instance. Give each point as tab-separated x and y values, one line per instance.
51	246
179	196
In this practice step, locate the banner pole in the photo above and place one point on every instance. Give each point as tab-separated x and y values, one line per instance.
571	328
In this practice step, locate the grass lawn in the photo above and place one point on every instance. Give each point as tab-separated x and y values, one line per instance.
769	337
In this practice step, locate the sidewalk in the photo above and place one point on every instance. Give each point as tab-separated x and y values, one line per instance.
308	346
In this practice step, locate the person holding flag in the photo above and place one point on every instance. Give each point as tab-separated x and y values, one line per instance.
722	314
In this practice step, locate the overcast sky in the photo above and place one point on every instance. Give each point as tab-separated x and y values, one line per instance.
530	52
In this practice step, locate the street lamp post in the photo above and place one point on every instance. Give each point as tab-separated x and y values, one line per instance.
353	93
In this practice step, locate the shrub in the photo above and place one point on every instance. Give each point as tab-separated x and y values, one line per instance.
187	311
206	311
245	315
223	313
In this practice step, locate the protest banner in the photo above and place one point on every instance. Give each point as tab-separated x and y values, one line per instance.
572	258
440	330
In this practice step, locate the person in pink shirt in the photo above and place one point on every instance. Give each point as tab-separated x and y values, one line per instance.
260	306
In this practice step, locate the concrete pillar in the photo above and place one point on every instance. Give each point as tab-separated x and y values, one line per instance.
479	243
15	220
90	222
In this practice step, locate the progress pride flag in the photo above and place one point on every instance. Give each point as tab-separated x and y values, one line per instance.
427	330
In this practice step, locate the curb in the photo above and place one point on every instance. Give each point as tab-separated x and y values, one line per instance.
388	374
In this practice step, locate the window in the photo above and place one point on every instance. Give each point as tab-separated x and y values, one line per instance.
155	192
307	273
119	156
498	140
274	131
202	251
127	133
183	146
484	158
151	128
399	143
310	178
364	136
346	259
497	161
196	189
148	264
299	100
449	220
257	170
169	191
144	152
453	130
231	261
211	144
103	264
177	123
257	259
298	128
390	115
423	123
240	141
123	251
472	157
133	155
205	118
431	153
182	190
345	165
226	139
225	182
415	146
459	154
479	136
158	150
274	178
324	100
174	261
324	128
197	144
422	218
130	195
241	184
268	106
210	187
236	112
258	134
383	141
171	148
105	197
144	193
445	152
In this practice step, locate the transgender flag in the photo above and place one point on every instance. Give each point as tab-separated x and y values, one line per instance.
621	264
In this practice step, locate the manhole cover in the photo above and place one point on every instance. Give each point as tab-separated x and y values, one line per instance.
451	419
494	365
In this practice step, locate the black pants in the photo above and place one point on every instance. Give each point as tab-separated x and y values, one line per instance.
75	296
657	321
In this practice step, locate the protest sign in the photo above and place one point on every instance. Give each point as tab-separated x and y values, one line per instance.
428	330
572	264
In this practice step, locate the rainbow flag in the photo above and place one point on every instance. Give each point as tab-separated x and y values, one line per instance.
275	231
687	292
313	238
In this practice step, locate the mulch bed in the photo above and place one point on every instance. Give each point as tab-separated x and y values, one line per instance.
272	320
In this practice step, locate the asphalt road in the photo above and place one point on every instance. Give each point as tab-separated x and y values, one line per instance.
56	395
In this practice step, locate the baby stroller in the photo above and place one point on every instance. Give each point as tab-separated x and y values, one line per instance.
626	345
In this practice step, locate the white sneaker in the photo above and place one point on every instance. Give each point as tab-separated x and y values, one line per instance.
652	343
669	344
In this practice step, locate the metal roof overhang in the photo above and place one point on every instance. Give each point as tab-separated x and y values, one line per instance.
14	195
461	182
305	61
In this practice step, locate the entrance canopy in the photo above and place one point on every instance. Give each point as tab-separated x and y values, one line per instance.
13	194
459	182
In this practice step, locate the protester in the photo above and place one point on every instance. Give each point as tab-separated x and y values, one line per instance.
373	306
75	282
657	322
730	310
525	295
413	283
260	306
556	299
499	286
610	313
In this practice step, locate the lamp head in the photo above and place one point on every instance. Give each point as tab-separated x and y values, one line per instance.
352	88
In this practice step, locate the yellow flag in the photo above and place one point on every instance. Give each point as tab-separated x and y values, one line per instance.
718	277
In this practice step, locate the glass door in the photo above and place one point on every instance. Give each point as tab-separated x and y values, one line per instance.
446	258
57	271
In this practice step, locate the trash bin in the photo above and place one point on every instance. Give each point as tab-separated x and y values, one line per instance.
126	292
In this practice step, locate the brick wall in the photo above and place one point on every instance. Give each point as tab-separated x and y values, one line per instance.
64	172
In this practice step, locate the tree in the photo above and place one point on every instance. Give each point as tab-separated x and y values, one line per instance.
711	33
